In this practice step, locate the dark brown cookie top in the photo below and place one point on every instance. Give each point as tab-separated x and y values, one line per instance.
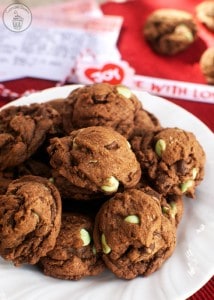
23	129
205	14
30	218
172	159
144	121
102	104
96	158
170	31
74	255
132	234
207	65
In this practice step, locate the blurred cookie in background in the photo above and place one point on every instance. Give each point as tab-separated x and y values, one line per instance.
170	31
205	14
207	65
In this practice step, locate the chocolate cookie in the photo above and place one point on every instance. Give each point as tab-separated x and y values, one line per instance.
57	104
74	255
169	31
207	65
62	107
97	159
101	104
133	235
205	14
23	129
172	159
30	219
144	121
171	205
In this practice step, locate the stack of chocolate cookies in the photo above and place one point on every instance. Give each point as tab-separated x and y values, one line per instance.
93	181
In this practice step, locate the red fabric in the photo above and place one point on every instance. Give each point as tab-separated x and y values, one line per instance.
134	49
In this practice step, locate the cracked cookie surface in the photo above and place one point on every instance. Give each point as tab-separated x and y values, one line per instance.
23	129
97	159
133	235
172	160
73	256
101	104
30	218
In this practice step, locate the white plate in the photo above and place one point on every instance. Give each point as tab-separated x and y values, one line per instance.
188	269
